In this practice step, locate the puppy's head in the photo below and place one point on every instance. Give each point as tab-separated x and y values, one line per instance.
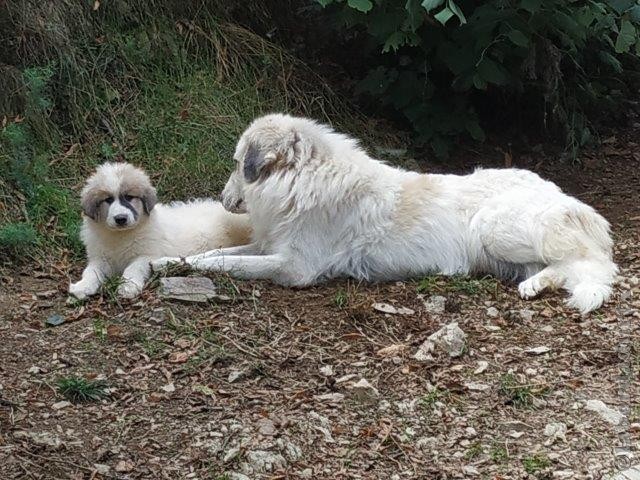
118	195
271	145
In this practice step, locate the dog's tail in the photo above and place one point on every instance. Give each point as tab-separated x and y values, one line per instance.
590	277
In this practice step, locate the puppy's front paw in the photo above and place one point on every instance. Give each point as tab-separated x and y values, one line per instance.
79	291
163	262
129	290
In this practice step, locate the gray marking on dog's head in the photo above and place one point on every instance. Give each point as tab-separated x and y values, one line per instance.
253	163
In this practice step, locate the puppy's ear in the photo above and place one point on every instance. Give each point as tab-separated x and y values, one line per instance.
149	199
90	202
254	163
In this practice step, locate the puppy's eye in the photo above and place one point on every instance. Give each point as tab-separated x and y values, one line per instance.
109	200
128	198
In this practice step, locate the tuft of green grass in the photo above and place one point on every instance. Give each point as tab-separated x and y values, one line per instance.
17	238
474	451
80	390
517	393
498	454
151	346
341	298
100	329
429	400
427	284
109	289
535	463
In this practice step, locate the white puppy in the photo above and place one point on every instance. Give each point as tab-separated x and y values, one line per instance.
124	228
323	208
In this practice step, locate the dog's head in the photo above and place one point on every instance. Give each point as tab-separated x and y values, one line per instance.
118	195
271	145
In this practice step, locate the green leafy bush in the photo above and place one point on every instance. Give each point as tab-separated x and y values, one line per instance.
448	66
17	238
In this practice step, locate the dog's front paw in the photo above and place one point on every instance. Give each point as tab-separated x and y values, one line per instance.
79	291
129	289
164	262
530	288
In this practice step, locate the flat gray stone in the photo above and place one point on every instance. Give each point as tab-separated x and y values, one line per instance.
632	473
189	289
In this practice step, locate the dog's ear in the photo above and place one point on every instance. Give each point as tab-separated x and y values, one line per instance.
90	201
254	163
149	199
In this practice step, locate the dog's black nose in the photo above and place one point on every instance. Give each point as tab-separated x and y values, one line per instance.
120	219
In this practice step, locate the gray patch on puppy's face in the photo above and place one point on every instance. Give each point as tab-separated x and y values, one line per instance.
253	163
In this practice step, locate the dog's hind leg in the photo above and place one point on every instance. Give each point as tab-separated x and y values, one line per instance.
248	249
589	280
547	278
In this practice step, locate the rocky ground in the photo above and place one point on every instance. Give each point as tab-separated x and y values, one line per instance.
332	382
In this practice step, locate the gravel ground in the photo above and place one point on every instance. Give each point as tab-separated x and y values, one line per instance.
319	383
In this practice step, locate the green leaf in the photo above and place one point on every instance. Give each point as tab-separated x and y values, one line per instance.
457	12
395	41
492	72
518	38
475	130
361	5
431	4
531	6
479	82
626	37
444	15
610	60
415	15
621	6
634	14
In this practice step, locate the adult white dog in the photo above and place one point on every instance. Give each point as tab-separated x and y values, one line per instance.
124	229
323	208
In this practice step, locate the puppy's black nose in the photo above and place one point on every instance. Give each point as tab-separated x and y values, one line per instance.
120	219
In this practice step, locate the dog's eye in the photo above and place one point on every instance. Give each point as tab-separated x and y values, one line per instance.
109	200
128	198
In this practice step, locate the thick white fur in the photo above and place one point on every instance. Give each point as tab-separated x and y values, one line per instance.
323	208
178	229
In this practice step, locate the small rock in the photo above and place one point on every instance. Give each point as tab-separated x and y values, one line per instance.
435	304
632	473
266	427
169	388
291	451
237	476
101	468
449	338
563	474
547	329
44	439
386	308
482	366
477	387
526	315
306	473
555	431
470	432
34	370
609	415
188	289
330	397
364	392
470	470
230	454
391	350
61	405
262	461
327	370
492	328
236	375
346	378
538	350
493	312
124	466
54	320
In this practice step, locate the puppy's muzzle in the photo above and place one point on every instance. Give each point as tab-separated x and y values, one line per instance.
121	220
